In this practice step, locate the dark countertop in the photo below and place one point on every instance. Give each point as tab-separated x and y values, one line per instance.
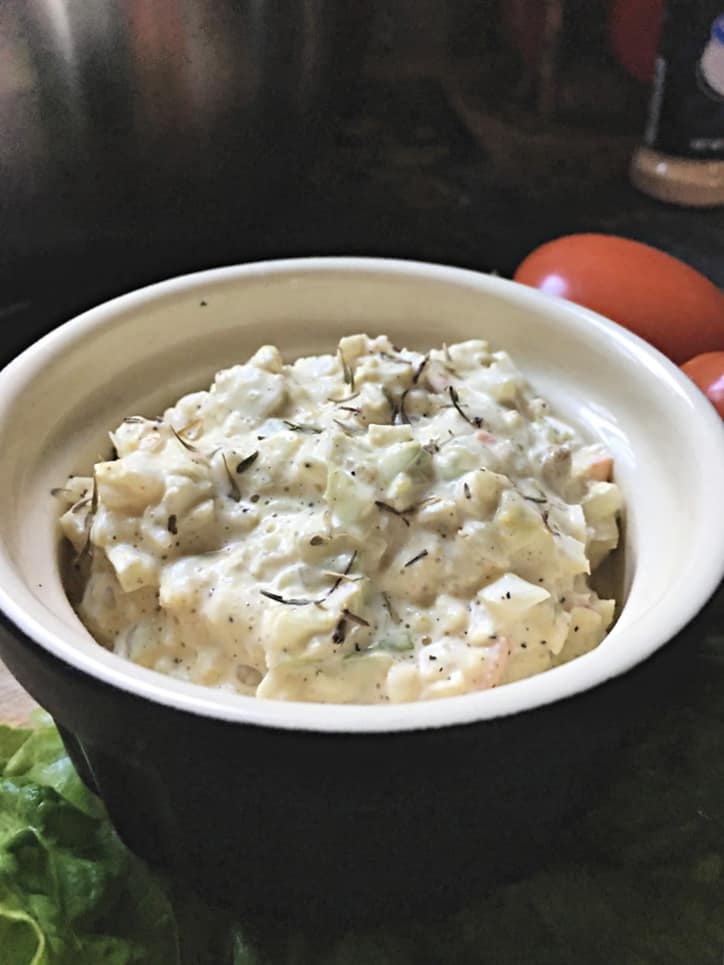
401	176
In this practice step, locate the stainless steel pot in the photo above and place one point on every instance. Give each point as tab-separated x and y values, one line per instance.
136	102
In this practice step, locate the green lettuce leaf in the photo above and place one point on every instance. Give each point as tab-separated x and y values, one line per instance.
70	892
41	759
11	739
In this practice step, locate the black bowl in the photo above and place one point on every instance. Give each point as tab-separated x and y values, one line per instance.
283	809
291	824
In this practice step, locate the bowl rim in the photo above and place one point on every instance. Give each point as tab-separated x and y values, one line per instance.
582	674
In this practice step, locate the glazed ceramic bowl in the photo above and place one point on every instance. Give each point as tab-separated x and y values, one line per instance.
282	807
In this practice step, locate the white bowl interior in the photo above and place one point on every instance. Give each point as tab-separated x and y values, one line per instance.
140	352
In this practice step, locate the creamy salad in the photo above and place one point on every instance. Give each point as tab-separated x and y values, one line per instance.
368	526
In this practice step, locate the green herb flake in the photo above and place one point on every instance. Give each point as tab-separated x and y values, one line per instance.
302	427
247	462
415	559
235	493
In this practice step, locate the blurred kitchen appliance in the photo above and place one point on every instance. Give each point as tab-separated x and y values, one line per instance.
115	109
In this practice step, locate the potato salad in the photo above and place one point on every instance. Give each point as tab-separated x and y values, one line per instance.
373	525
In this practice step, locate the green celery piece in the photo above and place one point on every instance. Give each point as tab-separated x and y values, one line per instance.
393	643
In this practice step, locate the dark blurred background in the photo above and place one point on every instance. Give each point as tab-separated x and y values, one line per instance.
144	139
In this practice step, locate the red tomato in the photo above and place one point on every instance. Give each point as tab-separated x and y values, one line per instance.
635	28
708	372
659	297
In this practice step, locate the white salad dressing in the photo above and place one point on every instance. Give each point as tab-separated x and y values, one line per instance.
374	525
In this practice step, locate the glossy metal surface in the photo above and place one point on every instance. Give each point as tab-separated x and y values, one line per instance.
122	104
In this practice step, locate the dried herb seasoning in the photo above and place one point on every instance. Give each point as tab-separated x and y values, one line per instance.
287	602
390	609
475	421
344	573
385	507
401	409
347	371
302	427
355	618
340	631
247	462
419	556
184	442
420	369
235	493
87	548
